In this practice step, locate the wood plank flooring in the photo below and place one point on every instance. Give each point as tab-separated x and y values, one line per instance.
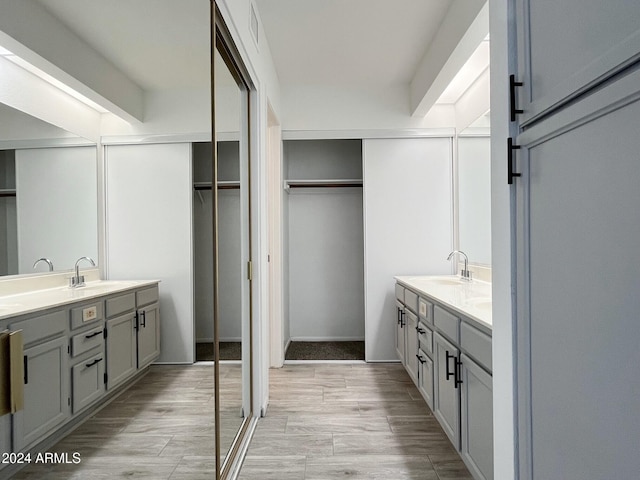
361	421
357	421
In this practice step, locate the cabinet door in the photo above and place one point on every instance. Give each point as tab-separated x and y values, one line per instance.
148	335
400	323
87	379
46	392
121	349
446	395
566	47
411	350
477	420
578	328
425	377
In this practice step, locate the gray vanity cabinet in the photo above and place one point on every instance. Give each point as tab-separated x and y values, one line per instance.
477	419
425	377
411	352
120	348
148	326
400	329
446	397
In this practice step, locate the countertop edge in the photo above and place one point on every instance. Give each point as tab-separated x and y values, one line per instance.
20	311
405	281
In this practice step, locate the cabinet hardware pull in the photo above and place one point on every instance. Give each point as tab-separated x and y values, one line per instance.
398	315
26	369
421	360
402	322
136	321
510	148
420	330
456	373
144	318
448	357
512	97
91	335
97	360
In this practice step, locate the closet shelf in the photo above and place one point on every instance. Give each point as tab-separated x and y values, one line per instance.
222	185
7	192
326	183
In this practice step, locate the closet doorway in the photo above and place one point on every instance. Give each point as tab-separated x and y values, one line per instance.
324	250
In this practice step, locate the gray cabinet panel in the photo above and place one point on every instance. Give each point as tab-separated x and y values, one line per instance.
87	340
87	381
578	355
425	377
148	335
411	351
411	300
120	304
147	296
41	327
425	338
476	343
425	310
477	420
121	349
567	47
446	397
87	314
399	292
400	337
447	323
46	392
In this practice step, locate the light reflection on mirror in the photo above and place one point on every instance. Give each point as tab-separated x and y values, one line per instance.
48	195
474	191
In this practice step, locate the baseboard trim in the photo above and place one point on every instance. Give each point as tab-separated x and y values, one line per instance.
326	339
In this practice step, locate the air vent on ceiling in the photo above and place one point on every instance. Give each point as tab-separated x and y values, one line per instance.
253	24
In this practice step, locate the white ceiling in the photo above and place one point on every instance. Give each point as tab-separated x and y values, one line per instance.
159	44
338	42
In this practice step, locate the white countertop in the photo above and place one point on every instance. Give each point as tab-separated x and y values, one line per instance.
470	298
19	304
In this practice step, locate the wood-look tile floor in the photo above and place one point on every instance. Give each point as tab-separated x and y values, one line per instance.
357	421
361	421
161	428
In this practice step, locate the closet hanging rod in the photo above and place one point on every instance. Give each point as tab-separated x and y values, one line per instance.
323	184
7	192
221	186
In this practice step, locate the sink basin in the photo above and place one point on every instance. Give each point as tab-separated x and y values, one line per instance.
105	285
447	281
484	304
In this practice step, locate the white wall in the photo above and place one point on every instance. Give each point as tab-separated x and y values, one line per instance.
408	225
149	233
328	107
57	206
501	201
474	198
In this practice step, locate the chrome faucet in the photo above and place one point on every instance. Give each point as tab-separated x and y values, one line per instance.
44	260
78	280
464	273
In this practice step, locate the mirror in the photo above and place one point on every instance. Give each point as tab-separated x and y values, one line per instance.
474	191
48	195
232	289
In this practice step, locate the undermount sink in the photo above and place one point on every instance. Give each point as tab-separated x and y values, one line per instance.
481	303
448	281
104	284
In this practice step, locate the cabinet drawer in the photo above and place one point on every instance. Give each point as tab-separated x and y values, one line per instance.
85	341
425	377
477	344
425	339
447	323
86	314
147	296
425	310
87	381
43	326
120	304
411	300
399	292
